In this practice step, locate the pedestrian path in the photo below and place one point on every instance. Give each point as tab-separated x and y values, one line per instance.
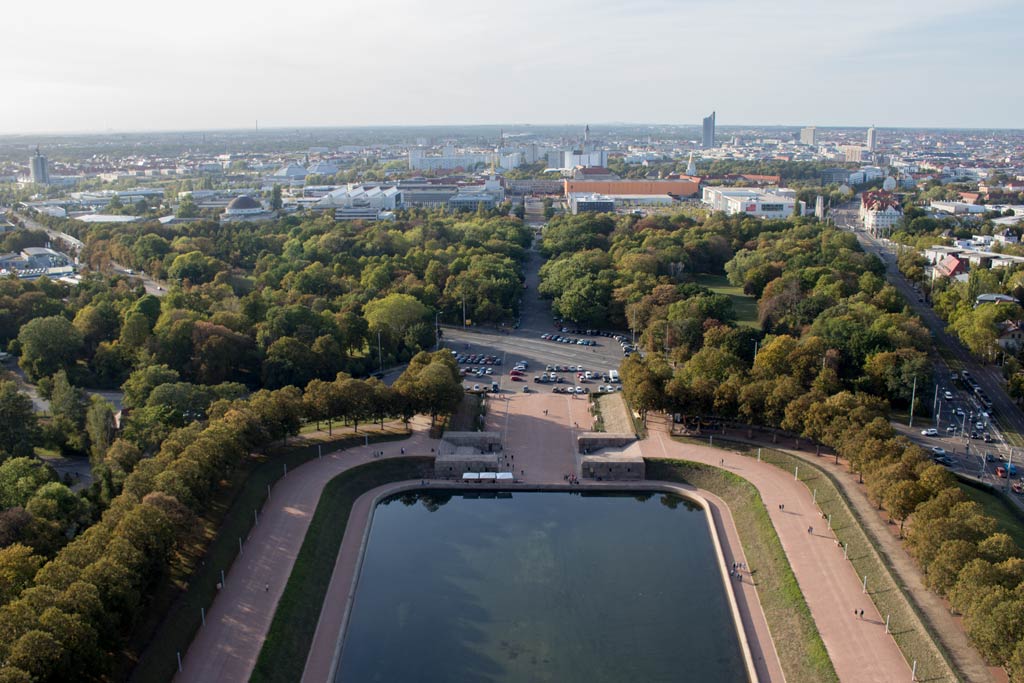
225	650
860	649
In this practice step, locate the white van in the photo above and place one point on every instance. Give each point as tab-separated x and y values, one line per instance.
613	376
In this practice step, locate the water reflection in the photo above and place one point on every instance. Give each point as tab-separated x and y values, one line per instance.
537	586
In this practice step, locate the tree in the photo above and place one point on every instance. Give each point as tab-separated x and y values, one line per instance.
394	314
141	383
952	557
48	345
99	426
321	401
902	498
275	198
97	322
19	429
36	652
354	400
20	478
68	405
195	267
431	383
18	564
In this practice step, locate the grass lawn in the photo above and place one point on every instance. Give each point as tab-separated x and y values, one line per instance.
744	305
910	628
284	652
800	648
173	615
1009	519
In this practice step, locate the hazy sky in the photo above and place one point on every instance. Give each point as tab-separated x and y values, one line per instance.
70	65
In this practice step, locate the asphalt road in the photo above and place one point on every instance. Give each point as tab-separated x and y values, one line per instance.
524	343
75	246
968	454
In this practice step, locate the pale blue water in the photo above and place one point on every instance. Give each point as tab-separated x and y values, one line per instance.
533	586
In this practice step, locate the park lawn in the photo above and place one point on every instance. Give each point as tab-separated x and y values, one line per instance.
286	648
1010	521
796	637
173	616
744	304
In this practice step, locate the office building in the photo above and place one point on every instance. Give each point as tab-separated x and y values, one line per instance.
39	171
570	159
753	201
872	139
489	195
852	153
809	136
583	202
708	138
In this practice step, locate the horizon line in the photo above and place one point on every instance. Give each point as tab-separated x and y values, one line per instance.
609	124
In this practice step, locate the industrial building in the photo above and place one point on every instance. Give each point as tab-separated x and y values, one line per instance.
683	187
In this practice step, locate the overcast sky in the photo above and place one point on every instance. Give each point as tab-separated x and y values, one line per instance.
123	65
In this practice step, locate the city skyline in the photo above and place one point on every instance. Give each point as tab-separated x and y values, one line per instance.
81	69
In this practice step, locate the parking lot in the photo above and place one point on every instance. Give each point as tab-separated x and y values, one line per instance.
496	362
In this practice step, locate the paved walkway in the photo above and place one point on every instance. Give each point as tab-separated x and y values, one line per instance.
965	655
225	650
860	649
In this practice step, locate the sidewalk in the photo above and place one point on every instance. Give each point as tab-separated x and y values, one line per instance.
965	657
225	650
860	649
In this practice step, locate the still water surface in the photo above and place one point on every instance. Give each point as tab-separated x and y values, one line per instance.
532	586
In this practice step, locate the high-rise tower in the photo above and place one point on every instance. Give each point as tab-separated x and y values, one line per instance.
872	140
708	138
38	169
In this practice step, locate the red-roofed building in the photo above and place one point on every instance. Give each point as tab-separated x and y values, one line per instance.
880	211
949	267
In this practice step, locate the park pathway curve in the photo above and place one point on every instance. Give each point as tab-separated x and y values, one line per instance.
860	649
226	649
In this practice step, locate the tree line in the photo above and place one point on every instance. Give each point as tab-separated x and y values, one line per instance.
78	569
838	348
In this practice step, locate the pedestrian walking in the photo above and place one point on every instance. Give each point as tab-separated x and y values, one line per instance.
862	614
266	588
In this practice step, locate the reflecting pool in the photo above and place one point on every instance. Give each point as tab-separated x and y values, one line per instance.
540	586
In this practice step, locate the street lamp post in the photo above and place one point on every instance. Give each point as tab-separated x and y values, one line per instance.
380	355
